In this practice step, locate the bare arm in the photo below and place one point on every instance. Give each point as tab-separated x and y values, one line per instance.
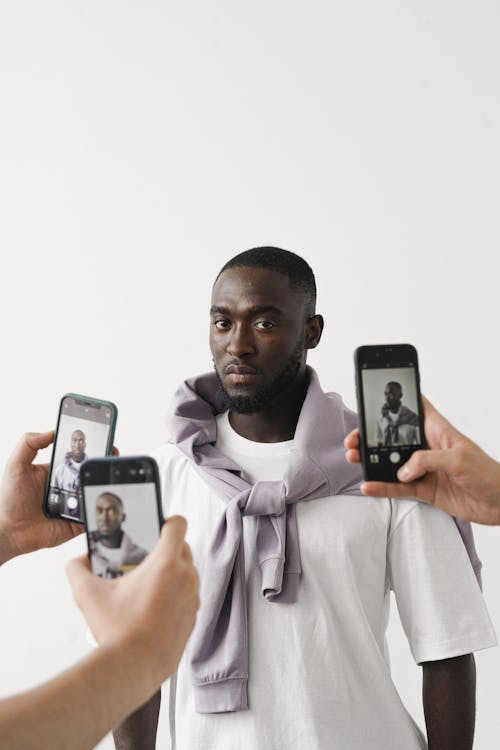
77	708
142	622
138	731
449	696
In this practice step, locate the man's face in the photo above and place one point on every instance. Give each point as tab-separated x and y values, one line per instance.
109	515
256	336
78	445
392	395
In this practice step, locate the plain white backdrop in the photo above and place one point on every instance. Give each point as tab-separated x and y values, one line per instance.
144	144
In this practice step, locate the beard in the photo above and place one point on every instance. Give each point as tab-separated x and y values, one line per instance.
262	399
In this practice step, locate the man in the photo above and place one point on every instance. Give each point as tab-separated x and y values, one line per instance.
397	424
113	551
66	477
141	622
454	474
289	648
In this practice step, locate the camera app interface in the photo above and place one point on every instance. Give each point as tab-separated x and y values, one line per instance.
82	433
391	410
122	526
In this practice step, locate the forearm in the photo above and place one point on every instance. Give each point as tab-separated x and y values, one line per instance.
449	697
138	731
76	709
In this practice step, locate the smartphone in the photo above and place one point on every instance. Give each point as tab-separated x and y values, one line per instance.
85	429
391	423
121	502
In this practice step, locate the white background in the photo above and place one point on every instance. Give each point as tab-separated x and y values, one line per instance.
144	144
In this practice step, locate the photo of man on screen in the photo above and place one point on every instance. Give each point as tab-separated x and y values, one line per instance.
113	551
67	475
397	424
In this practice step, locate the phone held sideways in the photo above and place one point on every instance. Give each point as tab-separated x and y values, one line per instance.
390	408
121	504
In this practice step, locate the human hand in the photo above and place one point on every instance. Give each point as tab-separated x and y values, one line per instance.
150	611
454	474
23	525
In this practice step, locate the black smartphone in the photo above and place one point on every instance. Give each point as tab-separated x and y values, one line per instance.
85	429
391	423
121	503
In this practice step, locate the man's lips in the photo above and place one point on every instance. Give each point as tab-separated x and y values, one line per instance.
240	370
240	373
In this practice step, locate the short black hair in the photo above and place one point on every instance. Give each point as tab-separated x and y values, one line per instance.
115	497
395	383
300	274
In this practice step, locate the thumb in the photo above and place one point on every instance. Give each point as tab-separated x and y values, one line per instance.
29	445
422	462
81	579
170	544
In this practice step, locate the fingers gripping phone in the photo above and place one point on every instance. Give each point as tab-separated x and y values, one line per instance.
85	429
121	503
390	410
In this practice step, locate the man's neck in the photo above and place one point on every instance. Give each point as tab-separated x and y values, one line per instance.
277	422
114	541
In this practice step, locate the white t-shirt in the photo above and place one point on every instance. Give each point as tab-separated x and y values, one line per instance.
113	554
319	674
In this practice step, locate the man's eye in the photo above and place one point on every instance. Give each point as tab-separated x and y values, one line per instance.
222	324
264	324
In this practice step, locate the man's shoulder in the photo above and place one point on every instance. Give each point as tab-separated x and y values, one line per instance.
132	550
408	414
165	452
404	510
349	417
170	459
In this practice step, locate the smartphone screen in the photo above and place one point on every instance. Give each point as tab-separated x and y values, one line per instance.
85	429
122	509
390	410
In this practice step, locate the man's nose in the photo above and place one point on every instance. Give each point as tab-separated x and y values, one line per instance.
240	341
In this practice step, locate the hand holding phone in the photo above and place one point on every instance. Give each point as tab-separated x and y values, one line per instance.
390	408
23	527
146	617
122	512
85	429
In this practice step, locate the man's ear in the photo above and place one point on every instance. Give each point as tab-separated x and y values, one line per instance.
313	331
